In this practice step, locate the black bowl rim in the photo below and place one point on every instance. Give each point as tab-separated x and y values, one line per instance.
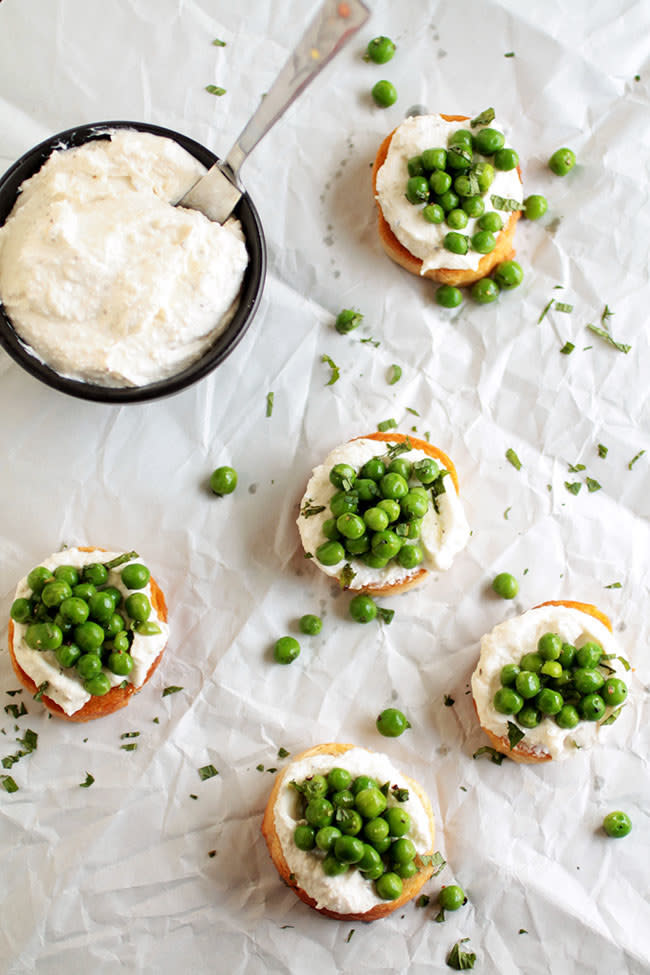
28	164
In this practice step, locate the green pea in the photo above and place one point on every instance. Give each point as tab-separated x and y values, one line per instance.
508	275
330	553
338	779
465	186
304	837
613	691
528	717
562	161
89	636
426	470
327	837
414	528
386	544
84	591
53	593
587	680
527	684
348	849
485	174
374	560
97	685
435	159
483	241
330	530
567	654
64	625
38	577
406	870
21	609
461	137
67	654
380	49
532	661
137	606
344	501
484	292
310	624
120	663
89	665
591	707
552	668
43	636
349	821
391	723
362	782
491	221
376	830
410	556
488	141
347	320
589	654
374	468
370	803
223	480
376	519
115	594
457	219
391	507
452	897
135	575
101	606
549	702
389	886
459	157
121	642
393	486
567	717
509	673
474	207
333	867
357	546
343	476
402	850
415	166
449	297
414	505
433	213
114	626
440	182
417	189
314	787
362	608
67	573
617	824
505	584
319	812
456	243
342	799
535	206
74	610
95	573
351	526
370	861
549	646
286	649
506	159
448	200
507	701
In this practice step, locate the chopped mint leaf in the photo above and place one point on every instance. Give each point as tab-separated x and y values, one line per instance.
575	468
130	734
15	711
440	916
309	508
347	575
484	118
215	90
434	860
336	372
400	794
515	734
461	960
131	747
507	512
512	457
88	781
260	768
614	585
41	690
385	615
172	689
423	900
592	485
634	459
567	348
449	701
283	753
602	450
573	486
370	341
8	783
218	42
386	425
349	937
509	54
505	203
491	753
410	409
604	334
207	772
395	374
402	447
563	307
120	560
613	716
269	403
522	931
546	309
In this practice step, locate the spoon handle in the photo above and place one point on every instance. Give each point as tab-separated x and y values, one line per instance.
334	24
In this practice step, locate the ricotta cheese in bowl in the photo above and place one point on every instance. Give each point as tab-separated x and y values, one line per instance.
107	289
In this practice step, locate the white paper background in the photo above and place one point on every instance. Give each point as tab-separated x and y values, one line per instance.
118	875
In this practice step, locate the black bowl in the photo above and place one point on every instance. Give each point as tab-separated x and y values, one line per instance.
251	293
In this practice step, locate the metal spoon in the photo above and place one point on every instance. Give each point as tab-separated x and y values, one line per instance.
217	193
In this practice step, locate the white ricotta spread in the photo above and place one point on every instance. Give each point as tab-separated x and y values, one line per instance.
65	688
443	533
103	277
508	642
349	893
421	238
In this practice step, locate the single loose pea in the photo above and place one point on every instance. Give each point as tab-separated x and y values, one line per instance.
330	553
362	782
433	213
338	779
370	861
286	649
319	812
344	501
485	174
304	837
535	206
137	606
67	654
527	684
348	849
38	577
386	544
562	161
410	556
491	221
370	803
509	673
357	546
506	159
376	830
402	850
54	593
414	166
459	157
333	867
485	291
223	480
67	573
434	159
399	821
389	886
508	275
330	531
351	526
414	505
567	655
488	141
314	786
347	320
549	646
393	486
135	575
74	610
89	665
384	94
391	723
474	206
452	897
505	585
349	821
456	243
449	297
311	625
461	137
43	636
343	799
362	608
374	468
120	663
440	181
97	685
95	573
552	668
391	507
617	824
89	636
613	691
376	519
589	654
343	476
367	490
507	701
532	661
528	717
587	680
417	189
101	607
483	241
457	219
380	49
327	837
551	702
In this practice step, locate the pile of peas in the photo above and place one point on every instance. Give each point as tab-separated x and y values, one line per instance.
383	492
74	612
348	823
559	681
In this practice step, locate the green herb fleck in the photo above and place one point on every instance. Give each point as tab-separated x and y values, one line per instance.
283	753
131	747
509	54
403	447
349	937
172	689
88	781
215	90
523	931
515	734
484	118
370	341
573	486
563	307
395	374
212	854
461	960
15	711
347	575
567	348
400	794
505	203
386	425
546	310
602	450
423	900
218	42
269	403
386	615
410	409
13	693
491	753
272	770
120	560
435	860
8	783
260	768
613	716
309	508
41	690
512	457
207	772
605	334
614	585
634	459
575	468
592	485
156	720
449	701
440	916
29	742
336	372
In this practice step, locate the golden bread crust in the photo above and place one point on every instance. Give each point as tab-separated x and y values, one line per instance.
521	752
504	250
411	886
117	697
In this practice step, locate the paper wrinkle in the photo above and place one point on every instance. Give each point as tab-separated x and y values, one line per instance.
119	873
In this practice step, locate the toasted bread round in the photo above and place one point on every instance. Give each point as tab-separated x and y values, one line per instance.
98	706
458	277
522	752
411	887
